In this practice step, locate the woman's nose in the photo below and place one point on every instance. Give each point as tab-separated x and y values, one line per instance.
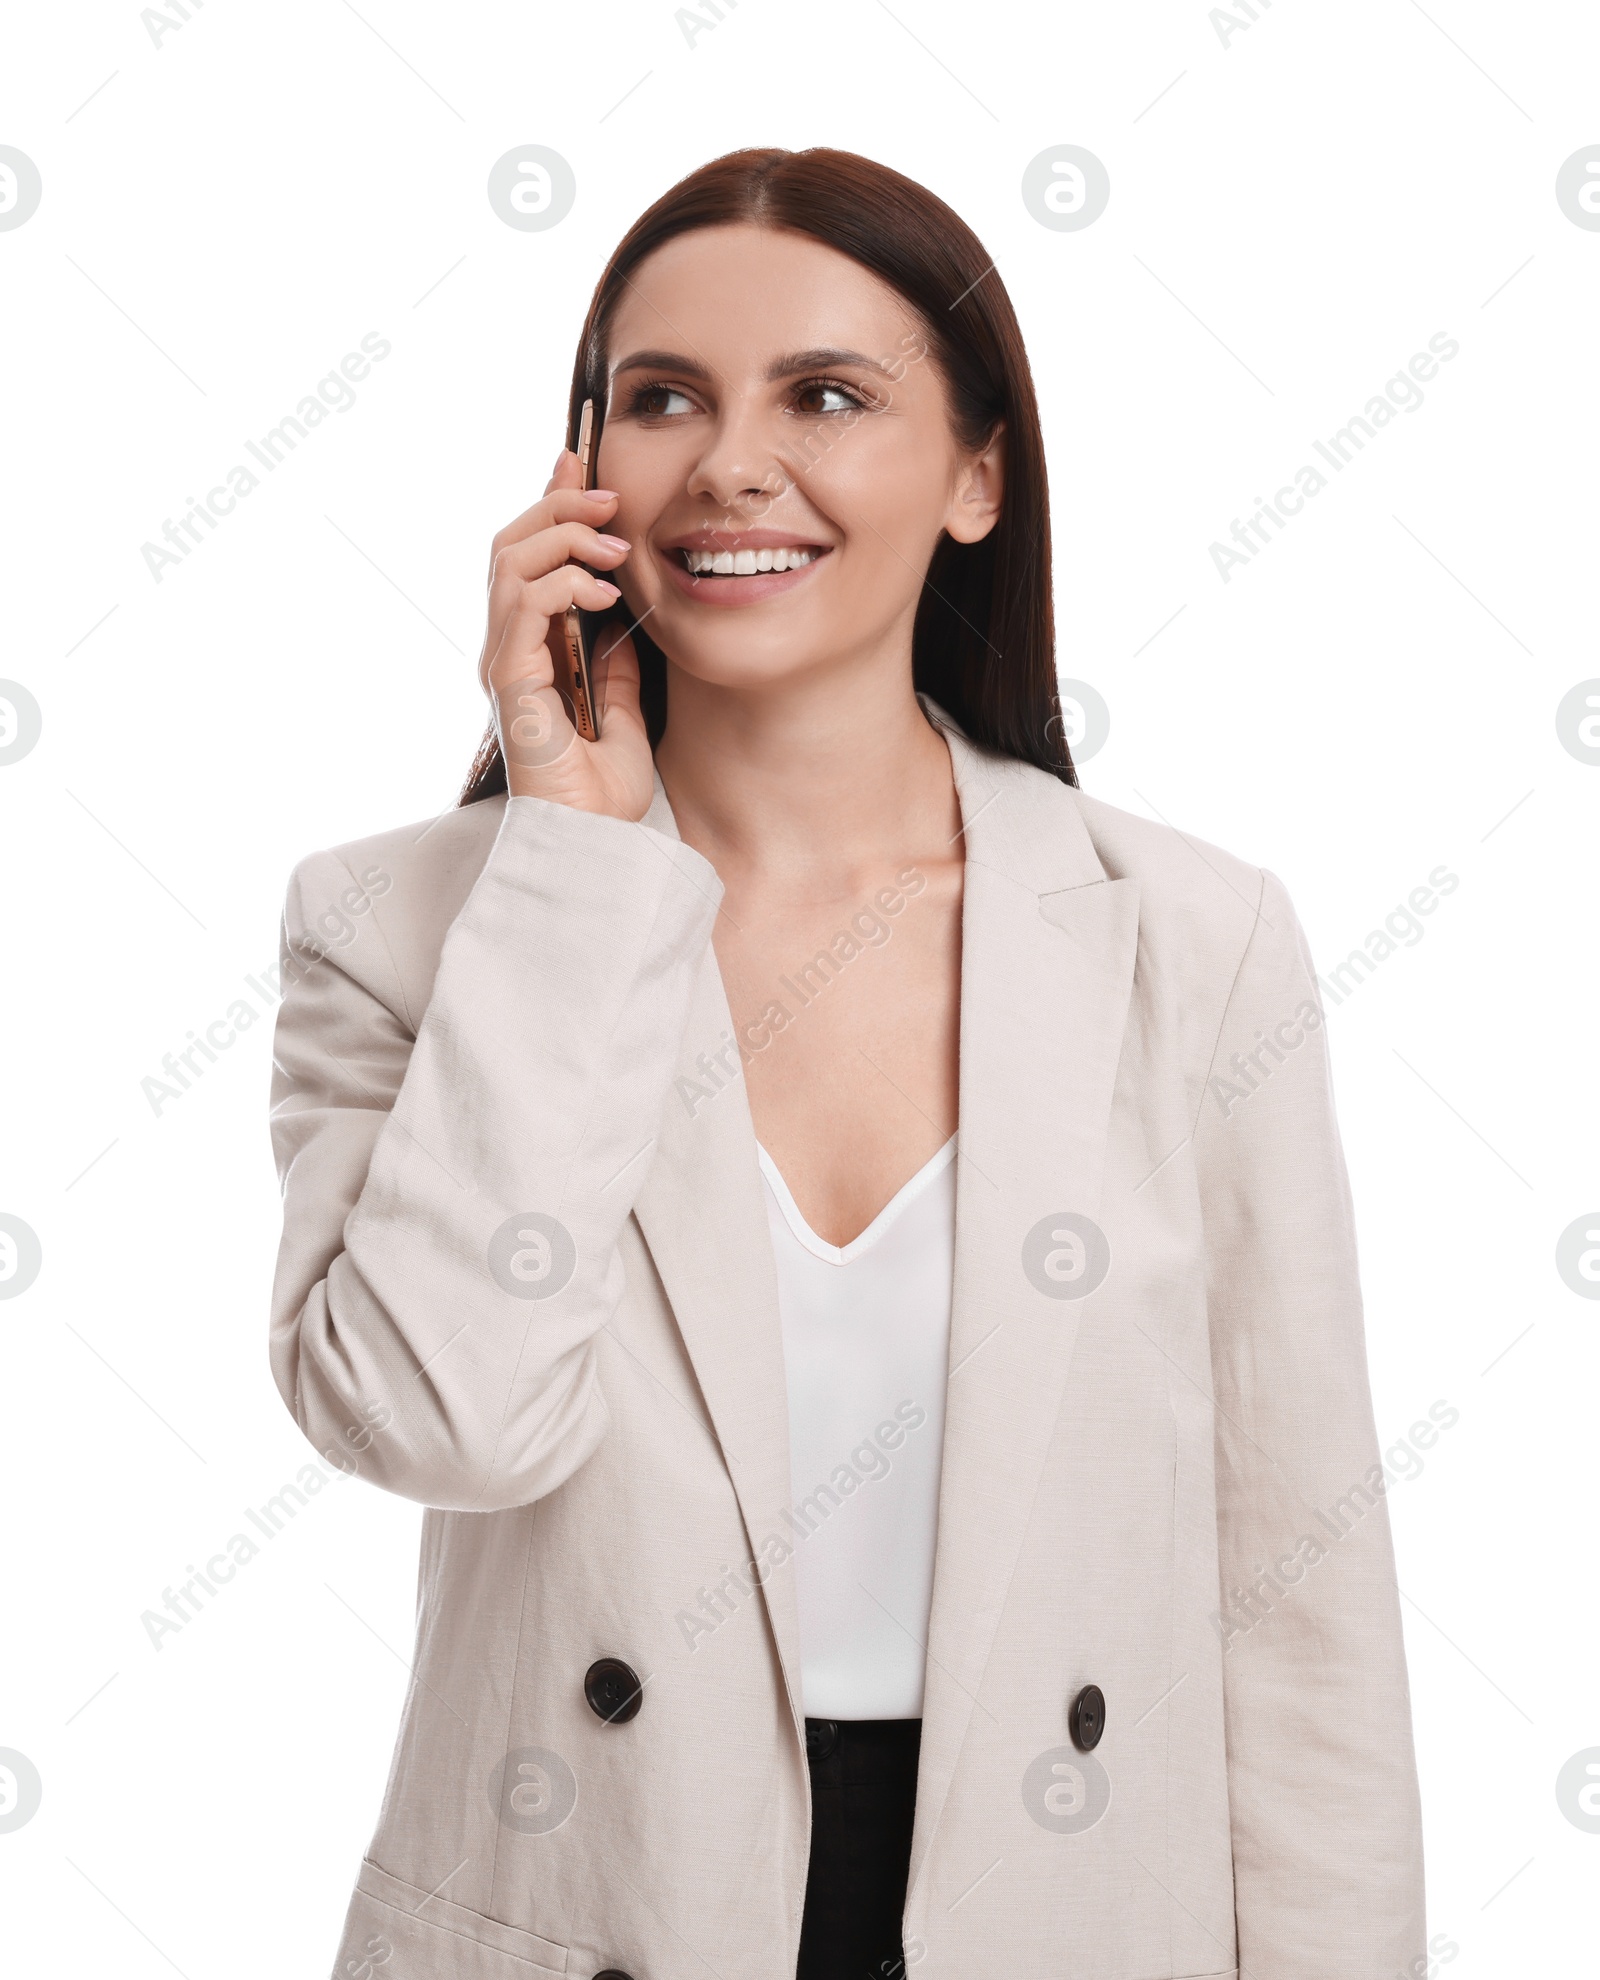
740	466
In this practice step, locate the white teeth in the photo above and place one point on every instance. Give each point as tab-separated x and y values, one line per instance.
745	563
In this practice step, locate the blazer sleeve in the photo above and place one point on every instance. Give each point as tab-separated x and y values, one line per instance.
453	1201
1326	1825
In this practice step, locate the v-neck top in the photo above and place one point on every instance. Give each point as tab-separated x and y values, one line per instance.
866	1342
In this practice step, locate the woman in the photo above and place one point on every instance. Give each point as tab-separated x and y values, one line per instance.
813	1573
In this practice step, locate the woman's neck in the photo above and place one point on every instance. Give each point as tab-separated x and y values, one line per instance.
813	777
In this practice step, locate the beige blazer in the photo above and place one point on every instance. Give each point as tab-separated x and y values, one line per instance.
526	1279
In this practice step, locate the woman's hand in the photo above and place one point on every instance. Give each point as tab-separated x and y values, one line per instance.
532	581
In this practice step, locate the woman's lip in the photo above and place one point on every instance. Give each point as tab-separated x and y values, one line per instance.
708	590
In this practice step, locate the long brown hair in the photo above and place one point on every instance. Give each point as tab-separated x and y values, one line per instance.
983	643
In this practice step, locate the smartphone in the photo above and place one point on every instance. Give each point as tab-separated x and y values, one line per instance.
580	683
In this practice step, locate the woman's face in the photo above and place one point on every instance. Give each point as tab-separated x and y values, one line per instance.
772	403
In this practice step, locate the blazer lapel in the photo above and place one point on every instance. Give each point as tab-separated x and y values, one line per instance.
704	1218
1047	958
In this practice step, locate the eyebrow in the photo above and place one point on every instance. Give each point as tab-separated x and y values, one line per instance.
686	367
787	366
821	359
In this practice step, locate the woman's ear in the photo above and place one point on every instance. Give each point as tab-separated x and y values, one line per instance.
979	490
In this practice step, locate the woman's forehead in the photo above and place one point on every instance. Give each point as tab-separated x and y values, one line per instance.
755	293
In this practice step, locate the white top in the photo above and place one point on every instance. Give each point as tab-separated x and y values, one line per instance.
866	1343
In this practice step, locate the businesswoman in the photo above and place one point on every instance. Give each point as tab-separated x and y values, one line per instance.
845	1234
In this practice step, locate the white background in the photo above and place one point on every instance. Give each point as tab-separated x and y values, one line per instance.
1294	212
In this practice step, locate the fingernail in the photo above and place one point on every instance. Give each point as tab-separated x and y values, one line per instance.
616	542
601	494
613	589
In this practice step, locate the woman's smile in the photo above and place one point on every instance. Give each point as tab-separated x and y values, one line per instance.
743	567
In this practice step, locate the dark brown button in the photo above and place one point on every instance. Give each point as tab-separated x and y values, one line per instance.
614	1693
1087	1719
822	1736
613	1973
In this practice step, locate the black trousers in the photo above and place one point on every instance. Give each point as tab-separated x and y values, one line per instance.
863	1795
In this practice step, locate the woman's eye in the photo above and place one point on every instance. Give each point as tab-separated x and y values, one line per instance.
819	397
661	401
